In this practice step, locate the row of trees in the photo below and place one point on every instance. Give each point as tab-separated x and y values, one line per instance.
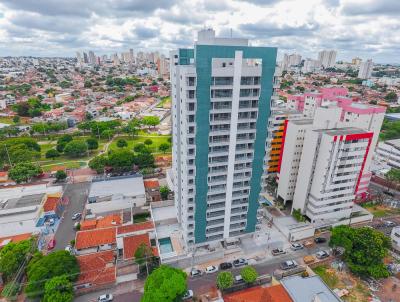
48	277
122	160
31	108
16	150
72	148
226	280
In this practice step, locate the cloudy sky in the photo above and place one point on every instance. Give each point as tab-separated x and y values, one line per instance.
367	28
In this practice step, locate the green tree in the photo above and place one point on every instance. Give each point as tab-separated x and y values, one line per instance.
150	121
52	153
16	119
133	127
58	289
64	139
365	249
75	149
92	143
164	191
10	290
98	163
393	175
121	160
144	159
249	274
23	172
108	134
391	97
121	143
12	256
140	147
165	284
148	142
143	253
224	280
60	147
55	264
88	84
61	175
164	147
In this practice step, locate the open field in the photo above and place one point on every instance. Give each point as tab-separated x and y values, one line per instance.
165	102
380	210
156	139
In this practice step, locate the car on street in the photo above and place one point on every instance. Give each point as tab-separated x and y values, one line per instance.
288	264
76	216
278	251
238	279
211	269
320	240
195	272
52	244
296	246
105	298
239	262
225	265
69	249
322	254
51	221
188	295
388	223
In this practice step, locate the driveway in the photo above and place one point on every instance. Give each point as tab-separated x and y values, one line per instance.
77	194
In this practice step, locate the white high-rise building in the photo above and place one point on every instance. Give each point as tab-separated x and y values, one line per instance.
221	95
92	58
290	60
365	69
327	58
311	65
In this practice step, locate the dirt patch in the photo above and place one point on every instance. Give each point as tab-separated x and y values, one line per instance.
390	290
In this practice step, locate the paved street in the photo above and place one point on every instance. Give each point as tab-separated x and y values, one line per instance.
123	297
203	284
77	195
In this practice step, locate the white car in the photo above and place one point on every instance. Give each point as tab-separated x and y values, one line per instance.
105	298
76	216
195	272
296	246
69	249
238	279
211	269
188	295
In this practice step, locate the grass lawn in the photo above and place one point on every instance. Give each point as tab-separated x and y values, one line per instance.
9	120
329	278
69	165
165	101
381	211
157	141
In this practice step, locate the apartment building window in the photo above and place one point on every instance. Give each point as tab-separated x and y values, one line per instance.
191	81
191	107
191	130
191	118
221	93
246	81
190	94
220	81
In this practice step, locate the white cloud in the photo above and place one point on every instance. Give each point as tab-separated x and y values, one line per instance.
366	28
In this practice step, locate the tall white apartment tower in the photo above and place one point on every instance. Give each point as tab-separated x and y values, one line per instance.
365	70
221	92
327	58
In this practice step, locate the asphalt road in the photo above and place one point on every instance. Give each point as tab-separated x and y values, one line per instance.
77	195
126	297
204	283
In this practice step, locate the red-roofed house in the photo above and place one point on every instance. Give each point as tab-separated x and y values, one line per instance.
136	228
97	271
16	238
276	293
152	187
92	241
102	222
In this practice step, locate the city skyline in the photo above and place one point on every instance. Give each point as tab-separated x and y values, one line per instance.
361	28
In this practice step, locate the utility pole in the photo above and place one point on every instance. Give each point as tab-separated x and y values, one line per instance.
8	155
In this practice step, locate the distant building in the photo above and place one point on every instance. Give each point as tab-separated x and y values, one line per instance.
395	236
290	60
327	58
365	69
356	61
311	65
389	152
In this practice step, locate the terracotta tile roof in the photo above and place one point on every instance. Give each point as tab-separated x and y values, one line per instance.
131	243
276	293
94	238
50	204
136	227
16	238
151	183
97	268
3	173
104	222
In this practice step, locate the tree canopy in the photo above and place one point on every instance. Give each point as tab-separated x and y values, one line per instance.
249	274
61	175
165	284
43	268
18	149
164	147
12	255
224	280
164	191
58	289
150	121
92	143
52	153
365	249
75	149
24	171
121	143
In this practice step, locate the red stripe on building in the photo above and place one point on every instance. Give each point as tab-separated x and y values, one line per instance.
335	138
283	145
357	137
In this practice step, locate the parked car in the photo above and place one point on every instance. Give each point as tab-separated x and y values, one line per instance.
288	264
211	269
52	244
320	240
76	216
195	272
238	279
225	265
297	246
239	262
188	295
388	223
322	254
69	249
105	298
50	221
279	251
